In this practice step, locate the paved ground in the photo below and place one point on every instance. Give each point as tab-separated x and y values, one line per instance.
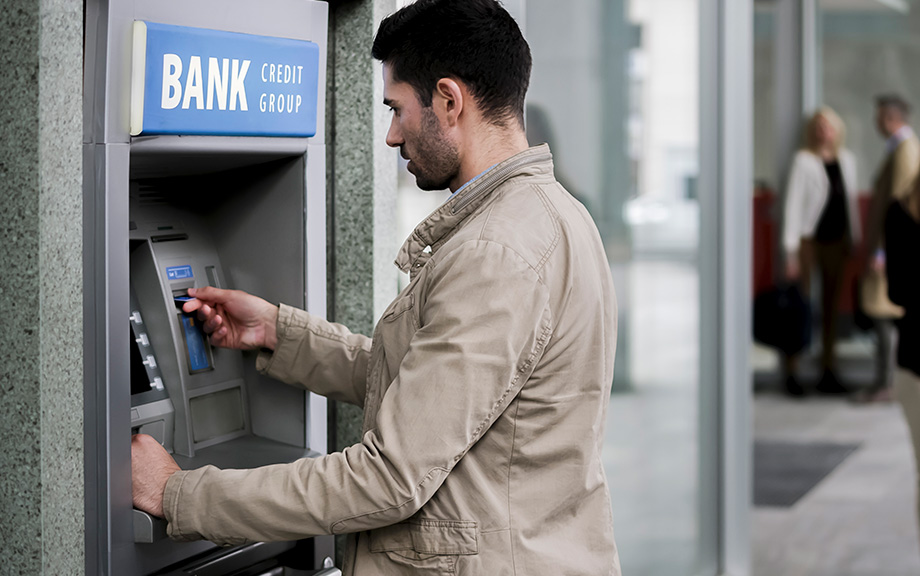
859	521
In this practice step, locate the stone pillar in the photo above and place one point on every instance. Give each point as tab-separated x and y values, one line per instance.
41	288
796	66
361	190
361	184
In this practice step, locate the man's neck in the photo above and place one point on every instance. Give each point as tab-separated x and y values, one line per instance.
491	146
897	136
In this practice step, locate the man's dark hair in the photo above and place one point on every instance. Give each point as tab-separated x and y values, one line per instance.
894	102
474	41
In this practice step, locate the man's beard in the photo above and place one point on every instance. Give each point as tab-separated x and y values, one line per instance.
435	159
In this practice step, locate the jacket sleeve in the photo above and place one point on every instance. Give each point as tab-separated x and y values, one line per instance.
904	174
486	323
906	165
796	205
321	356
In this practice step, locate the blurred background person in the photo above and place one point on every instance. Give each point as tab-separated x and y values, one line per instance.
902	241
894	181
821	225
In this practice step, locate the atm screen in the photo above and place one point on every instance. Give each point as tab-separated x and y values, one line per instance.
140	383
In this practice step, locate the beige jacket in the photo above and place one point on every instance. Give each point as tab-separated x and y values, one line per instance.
485	393
894	181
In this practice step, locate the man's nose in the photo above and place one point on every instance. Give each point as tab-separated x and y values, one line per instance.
394	137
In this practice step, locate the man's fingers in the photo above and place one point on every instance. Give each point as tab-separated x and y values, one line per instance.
213	324
205	312
151	467
210	294
192	305
219	336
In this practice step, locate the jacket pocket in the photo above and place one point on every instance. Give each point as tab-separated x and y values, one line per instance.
396	330
398	308
429	546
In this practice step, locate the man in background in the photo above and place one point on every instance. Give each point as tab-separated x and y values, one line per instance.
894	181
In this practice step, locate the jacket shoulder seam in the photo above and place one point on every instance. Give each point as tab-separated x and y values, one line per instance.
504	246
554	218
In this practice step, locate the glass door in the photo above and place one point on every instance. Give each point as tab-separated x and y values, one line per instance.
615	92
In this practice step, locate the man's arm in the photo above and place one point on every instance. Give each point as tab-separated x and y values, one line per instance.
324	357
487	321
906	166
297	348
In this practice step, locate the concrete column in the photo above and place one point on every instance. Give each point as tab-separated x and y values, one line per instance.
796	73
726	176
41	294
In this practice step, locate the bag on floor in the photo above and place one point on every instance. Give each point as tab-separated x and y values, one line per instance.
782	319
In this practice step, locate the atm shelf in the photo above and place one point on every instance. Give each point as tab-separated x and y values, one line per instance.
148	529
244	452
190	155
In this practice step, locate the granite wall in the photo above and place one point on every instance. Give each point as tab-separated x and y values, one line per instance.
361	184
361	189
41	372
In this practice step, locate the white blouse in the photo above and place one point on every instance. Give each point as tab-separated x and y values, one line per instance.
806	196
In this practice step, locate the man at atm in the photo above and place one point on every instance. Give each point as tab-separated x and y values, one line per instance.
486	384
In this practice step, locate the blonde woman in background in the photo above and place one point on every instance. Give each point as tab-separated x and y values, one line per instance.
821	227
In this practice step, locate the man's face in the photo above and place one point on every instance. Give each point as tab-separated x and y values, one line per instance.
888	120
417	132
880	123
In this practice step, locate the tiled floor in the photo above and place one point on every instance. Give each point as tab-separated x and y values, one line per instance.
651	449
858	521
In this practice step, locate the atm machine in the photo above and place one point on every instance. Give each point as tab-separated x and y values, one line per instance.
204	164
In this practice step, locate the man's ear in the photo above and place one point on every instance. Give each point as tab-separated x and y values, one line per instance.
450	99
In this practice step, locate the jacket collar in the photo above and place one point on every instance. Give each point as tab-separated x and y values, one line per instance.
434	230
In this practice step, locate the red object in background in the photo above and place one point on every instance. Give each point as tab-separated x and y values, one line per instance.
764	258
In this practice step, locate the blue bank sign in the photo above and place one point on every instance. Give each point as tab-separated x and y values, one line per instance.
207	82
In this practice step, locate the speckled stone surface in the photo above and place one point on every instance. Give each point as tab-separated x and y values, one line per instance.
20	399
362	188
61	280
41	428
363	183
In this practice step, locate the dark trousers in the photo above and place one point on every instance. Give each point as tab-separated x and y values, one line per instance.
830	259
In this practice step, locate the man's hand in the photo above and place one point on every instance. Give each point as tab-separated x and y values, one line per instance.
234	319
151	467
877	263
